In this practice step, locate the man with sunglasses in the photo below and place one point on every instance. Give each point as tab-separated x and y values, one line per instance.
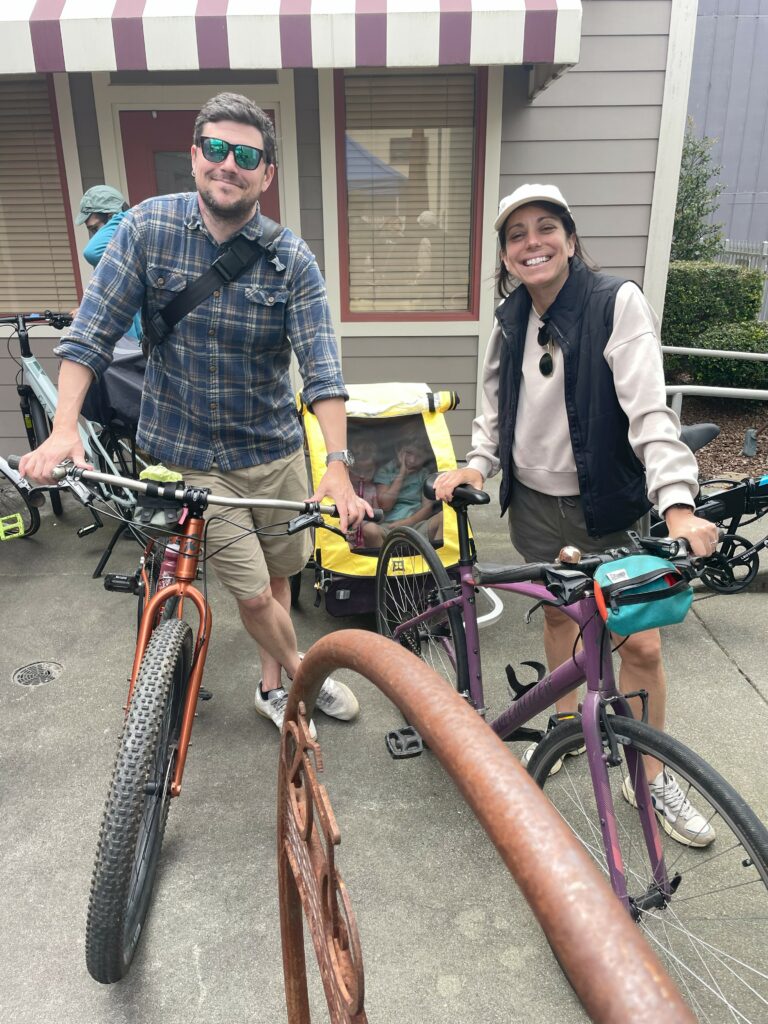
218	404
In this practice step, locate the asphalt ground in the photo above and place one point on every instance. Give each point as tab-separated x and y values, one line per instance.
445	934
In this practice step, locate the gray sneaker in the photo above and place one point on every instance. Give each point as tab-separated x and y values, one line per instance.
677	815
336	700
272	705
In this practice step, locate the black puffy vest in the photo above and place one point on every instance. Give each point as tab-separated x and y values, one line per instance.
611	477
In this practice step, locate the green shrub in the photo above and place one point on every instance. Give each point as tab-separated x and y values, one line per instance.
751	336
700	295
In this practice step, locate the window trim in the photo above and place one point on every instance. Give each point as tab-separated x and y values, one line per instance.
475	246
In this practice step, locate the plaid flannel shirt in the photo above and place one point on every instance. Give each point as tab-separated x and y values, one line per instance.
218	388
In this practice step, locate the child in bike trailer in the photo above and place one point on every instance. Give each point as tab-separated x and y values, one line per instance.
574	416
218	404
399	484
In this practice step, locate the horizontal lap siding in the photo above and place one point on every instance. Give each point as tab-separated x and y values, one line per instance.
445	364
594	132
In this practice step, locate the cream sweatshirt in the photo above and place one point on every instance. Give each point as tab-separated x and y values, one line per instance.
542	453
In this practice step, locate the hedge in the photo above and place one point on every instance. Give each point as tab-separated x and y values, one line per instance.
700	294
750	336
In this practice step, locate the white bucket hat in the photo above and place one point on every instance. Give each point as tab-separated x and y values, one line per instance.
529	194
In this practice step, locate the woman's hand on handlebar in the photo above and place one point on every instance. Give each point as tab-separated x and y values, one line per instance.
702	536
38	465
446	483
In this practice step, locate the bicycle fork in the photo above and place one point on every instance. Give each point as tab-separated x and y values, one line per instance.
599	701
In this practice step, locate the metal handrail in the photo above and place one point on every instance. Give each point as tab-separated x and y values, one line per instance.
602	952
676	391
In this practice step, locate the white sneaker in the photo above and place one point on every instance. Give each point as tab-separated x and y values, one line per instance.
272	705
528	754
678	817
336	699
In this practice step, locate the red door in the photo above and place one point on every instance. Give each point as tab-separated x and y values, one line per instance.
157	161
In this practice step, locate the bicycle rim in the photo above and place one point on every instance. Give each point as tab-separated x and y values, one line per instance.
710	935
409	579
17	517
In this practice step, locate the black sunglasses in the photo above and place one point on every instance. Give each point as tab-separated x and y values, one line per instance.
546	363
217	150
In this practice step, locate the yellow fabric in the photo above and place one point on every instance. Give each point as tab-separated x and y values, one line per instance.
332	551
160	475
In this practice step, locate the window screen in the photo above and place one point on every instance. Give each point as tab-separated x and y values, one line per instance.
409	164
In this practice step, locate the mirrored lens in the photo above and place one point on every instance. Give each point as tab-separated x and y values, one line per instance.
216	150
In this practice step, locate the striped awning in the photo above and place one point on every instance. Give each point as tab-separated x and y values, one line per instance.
173	35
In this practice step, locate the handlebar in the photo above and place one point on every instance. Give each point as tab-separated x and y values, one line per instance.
193	495
23	320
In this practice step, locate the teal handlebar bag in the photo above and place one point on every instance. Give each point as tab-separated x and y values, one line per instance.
641	592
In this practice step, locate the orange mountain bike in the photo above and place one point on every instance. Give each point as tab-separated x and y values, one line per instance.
164	688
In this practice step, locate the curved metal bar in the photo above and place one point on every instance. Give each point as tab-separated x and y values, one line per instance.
602	952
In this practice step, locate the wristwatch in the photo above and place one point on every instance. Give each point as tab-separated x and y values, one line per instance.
344	456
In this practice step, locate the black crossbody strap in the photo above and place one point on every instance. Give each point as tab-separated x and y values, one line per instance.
241	255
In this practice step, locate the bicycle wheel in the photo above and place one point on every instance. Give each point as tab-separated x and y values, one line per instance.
152	566
410	578
42	429
17	517
710	935
137	805
742	568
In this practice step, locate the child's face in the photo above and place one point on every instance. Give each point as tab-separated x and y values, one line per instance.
413	456
365	462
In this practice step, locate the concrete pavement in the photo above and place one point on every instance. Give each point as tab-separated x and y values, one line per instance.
445	935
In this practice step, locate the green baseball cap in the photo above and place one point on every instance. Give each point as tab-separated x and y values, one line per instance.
100	199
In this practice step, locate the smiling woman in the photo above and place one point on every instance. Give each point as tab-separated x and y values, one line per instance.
574	415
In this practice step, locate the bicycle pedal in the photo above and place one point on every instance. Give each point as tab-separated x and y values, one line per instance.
405	742
119	584
204	694
11	526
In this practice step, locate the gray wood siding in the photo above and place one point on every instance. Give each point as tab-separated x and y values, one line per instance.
594	132
728	102
446	364
308	145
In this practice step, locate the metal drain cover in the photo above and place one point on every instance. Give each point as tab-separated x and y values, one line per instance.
37	673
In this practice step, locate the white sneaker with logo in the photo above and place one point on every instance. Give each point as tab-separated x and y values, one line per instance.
272	705
678	817
336	700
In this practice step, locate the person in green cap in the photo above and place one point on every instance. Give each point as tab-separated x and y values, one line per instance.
102	210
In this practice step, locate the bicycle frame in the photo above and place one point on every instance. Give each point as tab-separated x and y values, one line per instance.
190	549
37	382
593	664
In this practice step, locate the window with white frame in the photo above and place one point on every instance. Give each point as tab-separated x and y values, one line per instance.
409	193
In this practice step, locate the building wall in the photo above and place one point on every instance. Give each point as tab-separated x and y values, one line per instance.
728	102
594	132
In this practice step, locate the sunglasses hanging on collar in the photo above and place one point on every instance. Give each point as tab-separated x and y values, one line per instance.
547	342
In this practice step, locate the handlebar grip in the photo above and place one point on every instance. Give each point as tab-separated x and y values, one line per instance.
13	461
378	515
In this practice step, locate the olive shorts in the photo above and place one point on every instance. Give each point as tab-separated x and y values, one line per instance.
541	524
245	567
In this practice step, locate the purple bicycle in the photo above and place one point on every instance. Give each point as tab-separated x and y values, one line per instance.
699	893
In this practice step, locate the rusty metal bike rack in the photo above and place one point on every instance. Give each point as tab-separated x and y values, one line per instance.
592	937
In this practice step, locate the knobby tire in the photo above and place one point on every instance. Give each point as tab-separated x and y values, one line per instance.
137	805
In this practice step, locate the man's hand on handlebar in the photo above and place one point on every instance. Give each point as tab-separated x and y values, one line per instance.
446	483
336	485
38	465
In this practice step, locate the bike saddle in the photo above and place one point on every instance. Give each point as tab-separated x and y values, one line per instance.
464	495
698	435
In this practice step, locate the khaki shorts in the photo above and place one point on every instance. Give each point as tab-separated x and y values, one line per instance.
540	524
246	566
